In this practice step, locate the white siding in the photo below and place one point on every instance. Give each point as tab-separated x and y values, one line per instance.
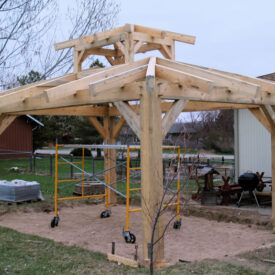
254	145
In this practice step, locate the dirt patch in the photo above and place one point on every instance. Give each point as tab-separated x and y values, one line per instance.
229	214
197	239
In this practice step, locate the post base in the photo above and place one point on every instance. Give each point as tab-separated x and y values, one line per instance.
156	264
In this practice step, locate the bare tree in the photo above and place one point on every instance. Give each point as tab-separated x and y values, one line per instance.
22	23
28	29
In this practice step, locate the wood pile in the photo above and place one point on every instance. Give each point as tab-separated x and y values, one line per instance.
90	188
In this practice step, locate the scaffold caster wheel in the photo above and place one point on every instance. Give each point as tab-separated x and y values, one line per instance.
54	222
177	224
129	237
105	214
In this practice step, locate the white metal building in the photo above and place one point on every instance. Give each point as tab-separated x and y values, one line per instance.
252	144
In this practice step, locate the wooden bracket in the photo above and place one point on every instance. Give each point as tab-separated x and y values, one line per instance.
166	51
99	127
261	118
269	114
117	127
130	116
5	122
172	115
138	45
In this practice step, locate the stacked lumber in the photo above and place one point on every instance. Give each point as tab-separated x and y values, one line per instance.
90	188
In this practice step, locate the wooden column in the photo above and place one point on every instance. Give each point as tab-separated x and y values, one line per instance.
109	131
110	177
151	171
273	175
269	114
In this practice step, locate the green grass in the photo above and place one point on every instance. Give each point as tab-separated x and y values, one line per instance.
26	254
42	175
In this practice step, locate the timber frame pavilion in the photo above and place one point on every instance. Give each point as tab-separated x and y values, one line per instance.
138	92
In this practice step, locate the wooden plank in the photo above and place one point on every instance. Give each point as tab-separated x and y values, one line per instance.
117	80
170	117
130	116
122	260
5	122
151	75
117	127
163	34
88	38
261	118
151	172
101	130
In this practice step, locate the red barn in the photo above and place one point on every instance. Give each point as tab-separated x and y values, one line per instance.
17	140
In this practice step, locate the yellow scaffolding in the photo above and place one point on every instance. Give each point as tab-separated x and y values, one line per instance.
130	237
55	220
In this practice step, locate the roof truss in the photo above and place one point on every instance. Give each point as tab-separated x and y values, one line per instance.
177	81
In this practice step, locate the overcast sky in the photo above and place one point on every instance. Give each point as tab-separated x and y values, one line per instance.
235	36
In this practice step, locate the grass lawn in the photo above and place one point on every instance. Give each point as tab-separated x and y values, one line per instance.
26	254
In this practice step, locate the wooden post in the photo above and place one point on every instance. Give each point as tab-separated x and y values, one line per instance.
108	126
269	115
109	132
151	171
273	175
77	63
